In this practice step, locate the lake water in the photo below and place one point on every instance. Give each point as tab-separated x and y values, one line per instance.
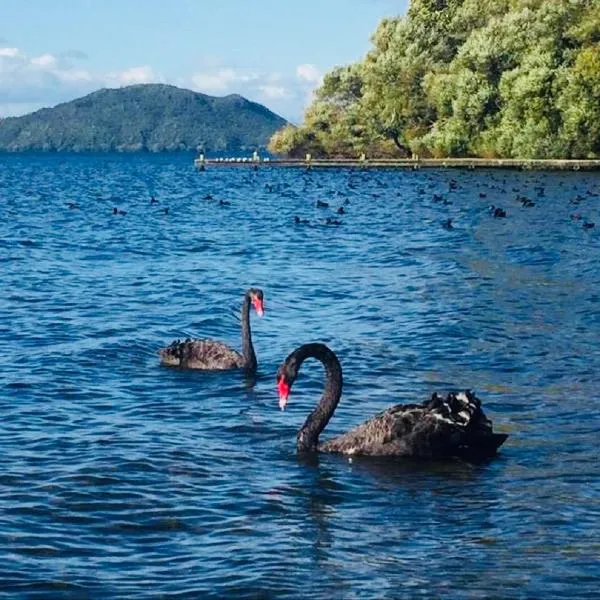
122	479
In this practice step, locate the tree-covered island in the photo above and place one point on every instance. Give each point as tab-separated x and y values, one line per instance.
455	78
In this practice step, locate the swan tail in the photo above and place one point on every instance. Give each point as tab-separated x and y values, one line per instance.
464	409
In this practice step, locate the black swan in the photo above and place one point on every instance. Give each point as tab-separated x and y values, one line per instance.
440	428
214	355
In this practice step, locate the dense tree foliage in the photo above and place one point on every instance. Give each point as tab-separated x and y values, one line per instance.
493	78
148	117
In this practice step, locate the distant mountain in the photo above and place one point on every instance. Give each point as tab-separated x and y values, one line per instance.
147	117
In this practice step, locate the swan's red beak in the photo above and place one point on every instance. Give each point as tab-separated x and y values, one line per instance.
284	391
258	306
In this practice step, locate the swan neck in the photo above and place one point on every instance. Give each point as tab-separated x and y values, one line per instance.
247	347
308	436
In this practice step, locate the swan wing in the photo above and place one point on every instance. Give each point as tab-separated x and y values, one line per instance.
201	354
438	428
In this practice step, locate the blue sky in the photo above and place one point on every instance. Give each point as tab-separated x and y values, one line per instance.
271	51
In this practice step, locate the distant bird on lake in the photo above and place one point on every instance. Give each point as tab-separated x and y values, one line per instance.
208	197
224	203
321	204
153	200
576	217
527	203
117	211
447	224
73	205
166	210
589	225
497	211
300	221
330	221
340	211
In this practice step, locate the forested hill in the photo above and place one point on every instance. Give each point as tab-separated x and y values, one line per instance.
148	117
489	78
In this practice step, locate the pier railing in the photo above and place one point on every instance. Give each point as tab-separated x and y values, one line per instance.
256	162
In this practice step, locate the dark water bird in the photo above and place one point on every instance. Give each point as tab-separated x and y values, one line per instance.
211	355
347	201
589	225
447	224
73	205
482	195
117	211
527	203
208	197
439	428
153	200
331	221
341	210
224	203
497	211
166	210
452	184
300	221
437	198
321	204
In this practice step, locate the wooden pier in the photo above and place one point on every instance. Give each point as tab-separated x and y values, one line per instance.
409	163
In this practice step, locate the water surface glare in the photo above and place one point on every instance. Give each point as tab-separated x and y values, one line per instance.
123	479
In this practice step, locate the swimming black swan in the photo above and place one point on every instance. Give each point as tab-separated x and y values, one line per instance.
440	428
214	355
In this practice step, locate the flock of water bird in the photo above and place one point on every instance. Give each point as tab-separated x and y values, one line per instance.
495	211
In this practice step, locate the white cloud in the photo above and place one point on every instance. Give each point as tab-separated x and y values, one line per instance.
74	76
220	81
45	60
9	52
137	75
309	73
44	80
274	91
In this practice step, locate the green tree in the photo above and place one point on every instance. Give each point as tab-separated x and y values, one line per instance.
507	78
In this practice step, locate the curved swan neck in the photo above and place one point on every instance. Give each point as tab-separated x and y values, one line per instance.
308	436
247	347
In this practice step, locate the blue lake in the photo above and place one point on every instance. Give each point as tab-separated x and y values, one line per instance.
122	479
